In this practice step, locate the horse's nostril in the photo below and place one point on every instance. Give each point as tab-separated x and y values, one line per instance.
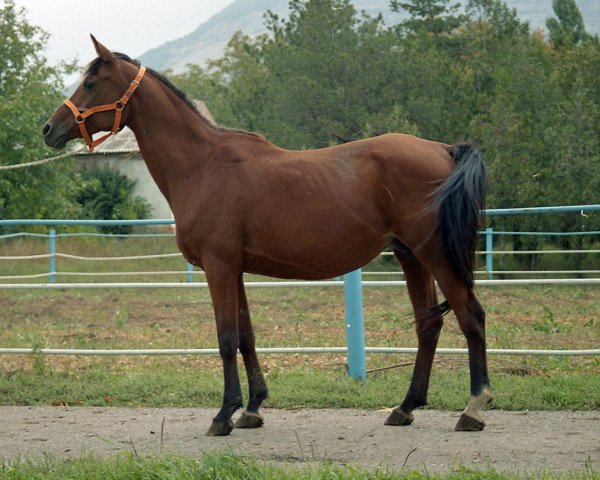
46	129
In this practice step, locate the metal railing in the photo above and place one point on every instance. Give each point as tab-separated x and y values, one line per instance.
489	253
352	283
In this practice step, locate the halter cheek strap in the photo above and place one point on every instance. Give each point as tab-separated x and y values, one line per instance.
81	114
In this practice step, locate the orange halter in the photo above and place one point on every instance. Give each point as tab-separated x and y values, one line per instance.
81	114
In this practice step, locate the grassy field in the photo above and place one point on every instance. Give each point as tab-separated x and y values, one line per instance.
229	467
523	317
543	317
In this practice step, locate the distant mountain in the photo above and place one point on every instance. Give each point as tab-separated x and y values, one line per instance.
209	39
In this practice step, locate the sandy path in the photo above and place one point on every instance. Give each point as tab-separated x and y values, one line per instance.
512	441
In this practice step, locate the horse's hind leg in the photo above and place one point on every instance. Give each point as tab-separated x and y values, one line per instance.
471	318
472	323
421	289
256	382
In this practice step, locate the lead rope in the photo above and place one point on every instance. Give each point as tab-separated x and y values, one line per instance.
41	162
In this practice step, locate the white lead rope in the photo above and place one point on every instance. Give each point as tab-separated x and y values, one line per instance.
41	162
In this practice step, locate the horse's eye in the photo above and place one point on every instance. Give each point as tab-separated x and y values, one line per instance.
88	85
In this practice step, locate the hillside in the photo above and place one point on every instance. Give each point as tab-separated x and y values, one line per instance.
210	38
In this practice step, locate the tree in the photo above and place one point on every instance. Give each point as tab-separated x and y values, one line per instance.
567	29
314	79
108	195
247	82
433	16
312	59
501	20
329	75
207	84
29	92
430	87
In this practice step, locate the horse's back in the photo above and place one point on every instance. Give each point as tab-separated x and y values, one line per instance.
346	201
319	213
412	158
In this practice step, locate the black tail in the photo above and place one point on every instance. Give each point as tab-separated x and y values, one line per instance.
459	202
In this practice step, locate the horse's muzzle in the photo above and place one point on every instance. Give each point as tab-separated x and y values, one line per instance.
54	137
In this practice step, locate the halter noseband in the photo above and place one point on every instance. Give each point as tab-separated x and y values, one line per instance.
81	114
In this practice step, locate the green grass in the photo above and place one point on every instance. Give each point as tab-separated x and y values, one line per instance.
539	317
546	317
293	388
224	466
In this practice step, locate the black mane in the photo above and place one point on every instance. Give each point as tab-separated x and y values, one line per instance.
93	66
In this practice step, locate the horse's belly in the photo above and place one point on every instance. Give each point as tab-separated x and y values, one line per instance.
318	263
280	269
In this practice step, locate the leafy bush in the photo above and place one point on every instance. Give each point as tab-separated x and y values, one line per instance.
108	195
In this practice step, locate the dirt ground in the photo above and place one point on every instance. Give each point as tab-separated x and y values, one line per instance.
512	441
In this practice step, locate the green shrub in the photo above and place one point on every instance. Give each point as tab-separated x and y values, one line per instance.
108	195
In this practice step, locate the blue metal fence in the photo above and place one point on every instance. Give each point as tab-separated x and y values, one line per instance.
490	232
352	281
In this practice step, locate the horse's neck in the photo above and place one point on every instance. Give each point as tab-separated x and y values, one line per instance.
173	139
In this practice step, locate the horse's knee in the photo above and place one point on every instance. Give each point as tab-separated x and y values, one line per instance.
228	345
246	343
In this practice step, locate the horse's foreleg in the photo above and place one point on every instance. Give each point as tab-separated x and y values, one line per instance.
256	382
223	285
421	289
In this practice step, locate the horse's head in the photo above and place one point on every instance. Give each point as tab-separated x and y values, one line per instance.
98	103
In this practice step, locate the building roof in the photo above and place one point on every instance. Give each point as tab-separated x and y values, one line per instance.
125	142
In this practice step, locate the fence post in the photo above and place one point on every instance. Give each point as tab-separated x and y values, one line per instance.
52	251
489	252
190	275
355	330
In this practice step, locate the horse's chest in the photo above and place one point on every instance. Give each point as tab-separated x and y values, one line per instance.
199	245
190	246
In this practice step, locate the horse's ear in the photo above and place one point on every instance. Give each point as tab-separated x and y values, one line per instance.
103	52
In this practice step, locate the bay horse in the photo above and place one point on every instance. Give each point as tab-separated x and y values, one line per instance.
242	204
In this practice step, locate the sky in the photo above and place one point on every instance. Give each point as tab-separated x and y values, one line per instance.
128	26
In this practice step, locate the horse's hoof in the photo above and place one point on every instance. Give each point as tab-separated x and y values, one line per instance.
249	420
218	428
469	424
399	418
